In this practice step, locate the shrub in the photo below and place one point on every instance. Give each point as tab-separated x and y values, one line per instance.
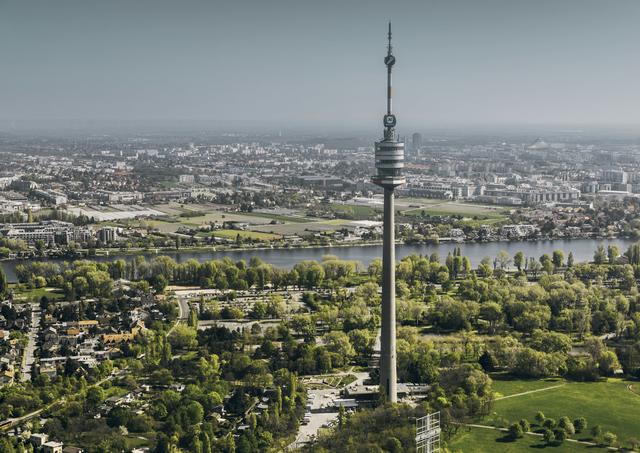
565	423
560	435
548	436
580	424
609	438
515	431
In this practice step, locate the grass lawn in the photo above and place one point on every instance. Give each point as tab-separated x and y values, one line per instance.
218	216
172	225
254	235
139	440
281	218
355	212
608	404
479	440
464	209
302	228
505	386
37	293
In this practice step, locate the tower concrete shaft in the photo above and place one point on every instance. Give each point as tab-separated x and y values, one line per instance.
389	155
388	372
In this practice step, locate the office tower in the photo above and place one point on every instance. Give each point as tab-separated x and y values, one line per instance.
416	143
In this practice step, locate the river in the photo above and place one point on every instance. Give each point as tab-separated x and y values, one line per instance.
582	251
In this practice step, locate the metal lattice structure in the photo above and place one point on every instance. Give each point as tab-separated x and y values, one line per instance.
428	433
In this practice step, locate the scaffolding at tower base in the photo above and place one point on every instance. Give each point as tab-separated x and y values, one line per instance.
428	433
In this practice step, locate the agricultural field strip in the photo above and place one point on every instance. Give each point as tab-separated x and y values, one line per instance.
529	392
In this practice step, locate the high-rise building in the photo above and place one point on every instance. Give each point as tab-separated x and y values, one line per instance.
389	165
416	143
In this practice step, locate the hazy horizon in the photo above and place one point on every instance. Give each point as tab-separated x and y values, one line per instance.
318	66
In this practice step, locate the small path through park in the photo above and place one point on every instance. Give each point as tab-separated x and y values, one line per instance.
632	390
529	392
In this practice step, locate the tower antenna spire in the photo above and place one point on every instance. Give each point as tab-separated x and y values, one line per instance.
389	61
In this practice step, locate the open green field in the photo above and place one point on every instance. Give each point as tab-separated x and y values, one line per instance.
610	404
172	225
281	218
448	208
195	215
480	440
302	228
36	293
254	235
355	212
505	386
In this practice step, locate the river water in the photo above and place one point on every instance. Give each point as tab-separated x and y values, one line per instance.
582	251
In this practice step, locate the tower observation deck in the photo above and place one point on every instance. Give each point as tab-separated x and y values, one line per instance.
389	151
389	156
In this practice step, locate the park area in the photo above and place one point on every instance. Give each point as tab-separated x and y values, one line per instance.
612	404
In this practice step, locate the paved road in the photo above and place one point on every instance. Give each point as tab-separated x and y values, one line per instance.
29	352
183	309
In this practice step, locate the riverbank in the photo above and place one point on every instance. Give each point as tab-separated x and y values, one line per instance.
110	253
582	250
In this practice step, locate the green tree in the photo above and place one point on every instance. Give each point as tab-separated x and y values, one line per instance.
566	424
194	413
193	318
503	259
600	256
518	260
515	431
558	258
183	337
338	343
3	283
95	397
580	424
613	252
547	263
609	439
548	436
560	435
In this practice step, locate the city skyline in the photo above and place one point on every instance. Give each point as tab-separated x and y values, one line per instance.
463	63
